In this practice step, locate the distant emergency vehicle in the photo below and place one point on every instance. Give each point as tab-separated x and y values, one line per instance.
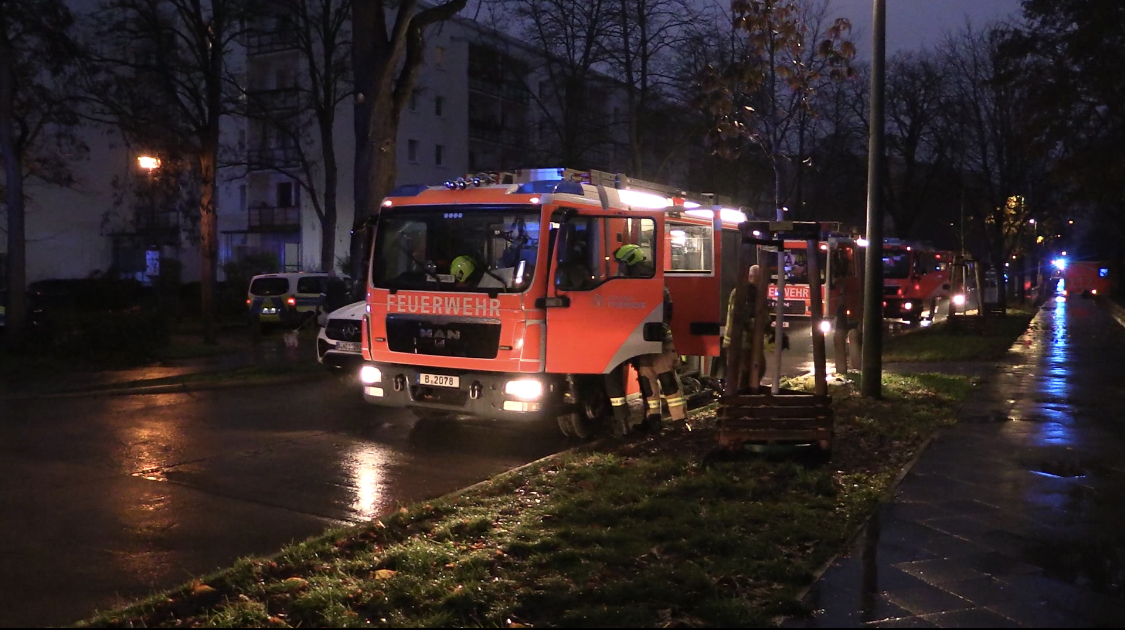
915	277
841	274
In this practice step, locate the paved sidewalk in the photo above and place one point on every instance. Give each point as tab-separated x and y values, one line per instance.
1016	516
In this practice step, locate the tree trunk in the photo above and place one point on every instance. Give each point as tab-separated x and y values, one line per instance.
360	195
208	241
328	224
16	312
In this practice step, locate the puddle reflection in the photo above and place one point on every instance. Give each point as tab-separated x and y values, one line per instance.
367	467
1053	381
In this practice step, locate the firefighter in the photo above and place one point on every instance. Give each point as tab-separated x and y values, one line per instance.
656	372
747	327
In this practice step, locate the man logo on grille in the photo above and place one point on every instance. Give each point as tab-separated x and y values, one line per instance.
430	333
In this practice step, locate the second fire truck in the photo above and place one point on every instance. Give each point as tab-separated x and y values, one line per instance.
915	277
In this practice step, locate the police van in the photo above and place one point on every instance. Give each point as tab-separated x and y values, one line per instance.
287	299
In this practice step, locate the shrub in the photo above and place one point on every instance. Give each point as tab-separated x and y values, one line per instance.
112	337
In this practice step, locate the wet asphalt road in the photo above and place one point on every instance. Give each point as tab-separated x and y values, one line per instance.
105	499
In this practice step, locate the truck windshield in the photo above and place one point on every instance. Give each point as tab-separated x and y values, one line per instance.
456	248
797	265
896	263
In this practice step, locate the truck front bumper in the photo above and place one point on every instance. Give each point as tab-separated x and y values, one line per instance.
479	394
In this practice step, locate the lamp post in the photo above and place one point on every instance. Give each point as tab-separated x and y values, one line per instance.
871	382
152	254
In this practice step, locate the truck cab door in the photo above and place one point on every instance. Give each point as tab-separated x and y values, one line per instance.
600	312
693	275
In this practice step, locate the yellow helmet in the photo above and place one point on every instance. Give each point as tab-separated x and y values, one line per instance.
462	268
630	254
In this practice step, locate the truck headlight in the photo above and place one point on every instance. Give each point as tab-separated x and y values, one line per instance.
524	389
369	374
906	306
959	299
825	326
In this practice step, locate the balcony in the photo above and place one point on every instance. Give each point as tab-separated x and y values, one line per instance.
506	90
286	100
260	42
490	132
272	158
266	219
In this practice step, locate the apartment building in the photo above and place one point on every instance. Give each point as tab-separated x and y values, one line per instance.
480	103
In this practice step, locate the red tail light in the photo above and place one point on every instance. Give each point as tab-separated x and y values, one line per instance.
917	287
291	301
248	301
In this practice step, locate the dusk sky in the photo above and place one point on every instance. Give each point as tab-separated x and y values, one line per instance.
912	24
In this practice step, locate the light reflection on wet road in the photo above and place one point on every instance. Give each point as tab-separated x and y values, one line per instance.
106	498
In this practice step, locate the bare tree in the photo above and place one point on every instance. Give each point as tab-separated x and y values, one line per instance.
320	31
161	76
387	51
571	90
36	126
985	126
766	96
645	40
916	100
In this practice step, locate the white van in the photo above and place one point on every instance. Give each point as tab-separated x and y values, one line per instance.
286	298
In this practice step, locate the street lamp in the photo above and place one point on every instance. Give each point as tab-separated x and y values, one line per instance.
148	162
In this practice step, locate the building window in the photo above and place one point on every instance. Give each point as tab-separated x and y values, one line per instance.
439	56
286	195
242	197
439	155
438	103
412	151
414	101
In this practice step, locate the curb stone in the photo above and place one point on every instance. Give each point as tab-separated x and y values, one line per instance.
167	388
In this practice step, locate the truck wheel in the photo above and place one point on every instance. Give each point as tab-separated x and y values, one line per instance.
581	426
565	424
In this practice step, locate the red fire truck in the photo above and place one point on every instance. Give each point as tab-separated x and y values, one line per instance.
915	277
841	269
549	311
1084	277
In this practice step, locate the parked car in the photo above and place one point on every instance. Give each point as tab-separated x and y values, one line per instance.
285	298
338	343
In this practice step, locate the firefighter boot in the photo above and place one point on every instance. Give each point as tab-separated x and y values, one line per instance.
622	419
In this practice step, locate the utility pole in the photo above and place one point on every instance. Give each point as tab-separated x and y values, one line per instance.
871	383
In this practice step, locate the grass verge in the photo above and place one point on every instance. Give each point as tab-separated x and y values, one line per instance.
659	530
941	343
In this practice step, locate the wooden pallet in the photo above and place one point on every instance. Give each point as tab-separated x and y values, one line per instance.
790	417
